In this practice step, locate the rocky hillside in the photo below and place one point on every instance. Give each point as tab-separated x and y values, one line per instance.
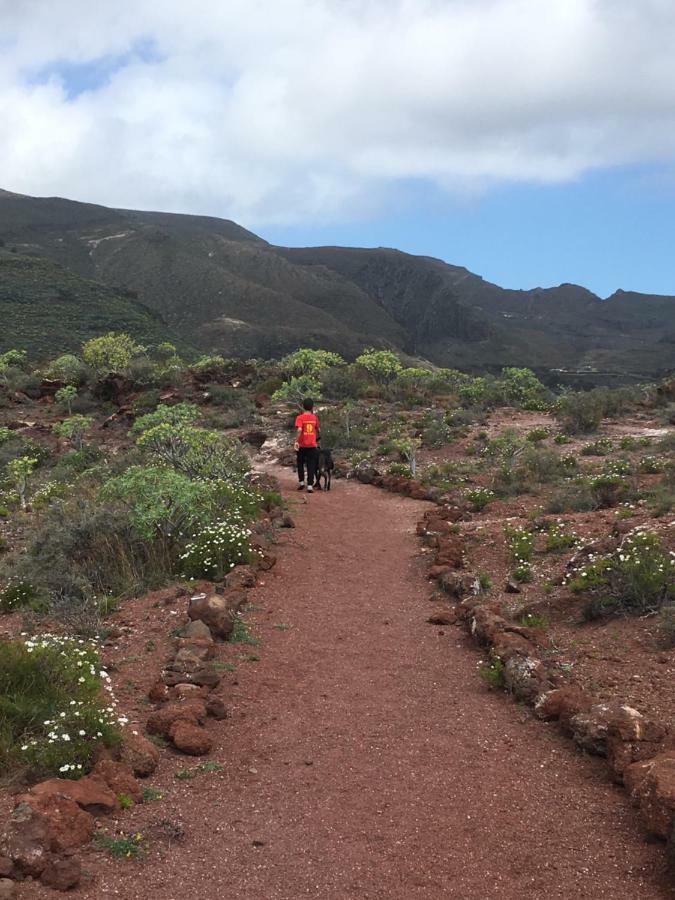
227	290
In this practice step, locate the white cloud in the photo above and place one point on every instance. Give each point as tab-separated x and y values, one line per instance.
283	110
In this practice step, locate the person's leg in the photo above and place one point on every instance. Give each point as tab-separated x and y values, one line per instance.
312	460
301	467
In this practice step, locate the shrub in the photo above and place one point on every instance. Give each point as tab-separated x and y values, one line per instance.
651	465
579	412
607	489
562	439
18	595
522	388
310	362
382	365
601	447
18	472
627	443
196	452
180	414
520	542
558	539
479	498
342	383
53	709
67	368
541	464
217	548
636	578
576	497
297	388
5	434
110	354
436	431
523	573
74	429
400	470
492	673
536	435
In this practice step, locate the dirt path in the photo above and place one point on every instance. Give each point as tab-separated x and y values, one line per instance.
365	759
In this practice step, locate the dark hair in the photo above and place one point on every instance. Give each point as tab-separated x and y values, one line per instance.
308	404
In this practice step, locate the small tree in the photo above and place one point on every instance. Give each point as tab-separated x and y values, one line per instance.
111	354
73	429
180	414
408	448
65	396
19	471
196	452
310	362
383	365
12	359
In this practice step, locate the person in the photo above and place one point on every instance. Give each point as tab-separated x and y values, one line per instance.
306	445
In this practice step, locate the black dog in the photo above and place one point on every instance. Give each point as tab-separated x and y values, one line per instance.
324	469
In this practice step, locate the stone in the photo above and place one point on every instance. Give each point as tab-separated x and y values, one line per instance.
120	778
459	585
6	866
562	704
591	728
139	754
486	625
450	551
655	795
622	754
90	792
216	708
62	874
189	659
214	611
26	840
183	691
266	560
196	630
507	645
7	889
525	677
160	721
512	587
41	825
240	578
190	738
159	693
287	521
206	678
442	616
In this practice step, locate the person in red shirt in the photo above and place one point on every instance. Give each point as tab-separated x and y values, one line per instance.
306	444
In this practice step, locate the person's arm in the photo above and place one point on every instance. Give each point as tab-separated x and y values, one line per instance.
298	435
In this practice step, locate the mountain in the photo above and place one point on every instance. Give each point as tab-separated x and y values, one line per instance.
223	289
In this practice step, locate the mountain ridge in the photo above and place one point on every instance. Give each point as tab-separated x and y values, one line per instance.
227	290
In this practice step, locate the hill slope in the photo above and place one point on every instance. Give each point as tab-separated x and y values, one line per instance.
226	290
47	309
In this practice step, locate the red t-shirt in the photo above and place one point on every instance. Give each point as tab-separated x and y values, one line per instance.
309	424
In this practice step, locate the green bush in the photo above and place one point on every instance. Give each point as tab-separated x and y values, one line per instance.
601	447
53	708
579	412
436	432
522	388
382	365
196	452
559	539
297	388
636	578
110	354
479	498
401	470
180	414
17	595
536	435
520	542
69	369
73	429
310	362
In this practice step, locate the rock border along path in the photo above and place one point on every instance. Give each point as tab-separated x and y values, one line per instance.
365	759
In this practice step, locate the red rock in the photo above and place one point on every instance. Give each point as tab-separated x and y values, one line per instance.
206	678
191	739
591	728
26	840
506	645
158	693
62	874
91	792
450	551
486	625
442	616
655	795
160	721
622	754
267	561
7	889
196	630
243	577
214	611
188	692
139	754
216	708
120	778
562	704
6	866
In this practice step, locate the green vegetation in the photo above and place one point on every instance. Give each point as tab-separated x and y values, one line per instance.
53	711
122	846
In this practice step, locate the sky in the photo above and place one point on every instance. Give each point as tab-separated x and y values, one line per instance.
532	141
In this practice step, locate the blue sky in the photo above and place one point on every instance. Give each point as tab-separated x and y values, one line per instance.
605	231
532	142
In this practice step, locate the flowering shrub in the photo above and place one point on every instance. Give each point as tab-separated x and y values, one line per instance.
536	435
18	594
651	465
50	490
400	470
56	705
479	498
520	542
608	488
637	577
601	447
557	538
217	548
